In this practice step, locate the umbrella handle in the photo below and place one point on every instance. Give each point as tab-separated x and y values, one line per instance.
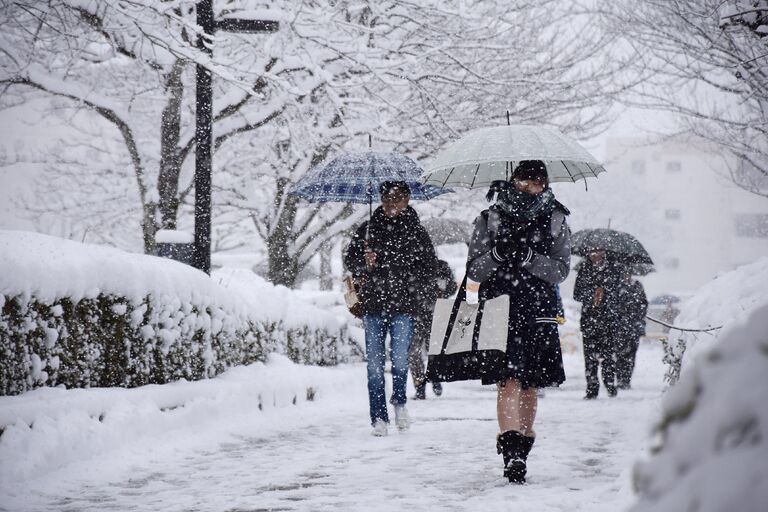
370	211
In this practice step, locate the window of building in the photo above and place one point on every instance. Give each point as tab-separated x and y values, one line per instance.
638	167
752	225
672	263
673	167
672	214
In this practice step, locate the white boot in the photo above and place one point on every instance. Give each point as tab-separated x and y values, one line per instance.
402	419
379	428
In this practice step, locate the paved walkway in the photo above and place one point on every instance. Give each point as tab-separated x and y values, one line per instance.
320	456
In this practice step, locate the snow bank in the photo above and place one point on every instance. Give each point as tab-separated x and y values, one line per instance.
712	442
50	268
48	428
294	308
727	299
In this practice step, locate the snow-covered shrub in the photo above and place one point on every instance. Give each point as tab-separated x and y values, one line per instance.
82	315
712	438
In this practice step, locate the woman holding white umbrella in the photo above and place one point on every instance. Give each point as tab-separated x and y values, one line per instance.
521	248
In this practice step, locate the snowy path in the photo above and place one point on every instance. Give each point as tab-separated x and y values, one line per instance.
320	456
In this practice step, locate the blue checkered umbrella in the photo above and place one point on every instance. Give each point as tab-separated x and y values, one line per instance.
355	178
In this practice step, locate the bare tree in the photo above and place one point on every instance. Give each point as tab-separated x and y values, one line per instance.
413	74
707	61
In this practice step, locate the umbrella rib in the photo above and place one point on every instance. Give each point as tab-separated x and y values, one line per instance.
591	169
474	177
570	175
448	177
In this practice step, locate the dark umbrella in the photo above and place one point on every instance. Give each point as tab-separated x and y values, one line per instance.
623	246
355	178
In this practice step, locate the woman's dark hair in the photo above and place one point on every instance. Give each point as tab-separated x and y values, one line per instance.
531	170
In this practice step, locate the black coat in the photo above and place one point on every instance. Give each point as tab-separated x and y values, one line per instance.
403	279
534	357
610	277
633	310
605	319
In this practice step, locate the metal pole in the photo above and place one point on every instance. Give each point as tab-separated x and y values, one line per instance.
203	141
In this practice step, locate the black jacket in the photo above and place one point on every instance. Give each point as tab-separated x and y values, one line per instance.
403	279
610	277
633	311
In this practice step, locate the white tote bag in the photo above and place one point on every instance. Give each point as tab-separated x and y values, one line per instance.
468	341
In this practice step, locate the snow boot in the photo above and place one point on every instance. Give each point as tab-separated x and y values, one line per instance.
437	388
514	447
379	428
592	392
402	419
421	392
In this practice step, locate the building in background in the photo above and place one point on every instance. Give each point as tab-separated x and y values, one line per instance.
697	222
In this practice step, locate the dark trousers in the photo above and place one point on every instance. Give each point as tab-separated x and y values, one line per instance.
599	352
419	347
625	363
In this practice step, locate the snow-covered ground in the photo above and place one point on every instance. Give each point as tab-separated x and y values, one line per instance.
238	442
279	436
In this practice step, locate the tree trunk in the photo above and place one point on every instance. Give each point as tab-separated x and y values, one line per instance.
283	266
148	227
170	158
326	276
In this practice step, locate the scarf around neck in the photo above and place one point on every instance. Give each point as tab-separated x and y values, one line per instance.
521	207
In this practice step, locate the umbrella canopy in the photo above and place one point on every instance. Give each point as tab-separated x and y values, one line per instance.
624	246
489	154
355	178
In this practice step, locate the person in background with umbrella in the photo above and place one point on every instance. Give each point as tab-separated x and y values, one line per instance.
599	285
632	327
520	247
394	259
603	290
443	286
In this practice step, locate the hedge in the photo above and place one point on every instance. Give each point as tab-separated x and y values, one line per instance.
112	341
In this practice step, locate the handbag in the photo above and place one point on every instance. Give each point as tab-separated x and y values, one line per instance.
352	296
468	341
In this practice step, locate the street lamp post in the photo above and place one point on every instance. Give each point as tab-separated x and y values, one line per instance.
204	121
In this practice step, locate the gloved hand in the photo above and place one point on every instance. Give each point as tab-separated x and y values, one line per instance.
508	249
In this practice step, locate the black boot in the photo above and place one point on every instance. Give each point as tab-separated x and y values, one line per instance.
421	392
514	447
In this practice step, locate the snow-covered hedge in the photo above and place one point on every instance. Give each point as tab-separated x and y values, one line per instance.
82	315
712	437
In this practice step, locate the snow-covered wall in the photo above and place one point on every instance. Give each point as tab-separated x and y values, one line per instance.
84	315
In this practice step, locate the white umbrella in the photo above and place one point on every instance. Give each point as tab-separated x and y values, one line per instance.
488	154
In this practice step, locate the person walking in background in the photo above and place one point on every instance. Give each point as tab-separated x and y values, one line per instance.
521	247
393	258
632	322
442	286
598	286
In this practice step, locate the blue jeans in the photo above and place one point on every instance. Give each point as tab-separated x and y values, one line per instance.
400	328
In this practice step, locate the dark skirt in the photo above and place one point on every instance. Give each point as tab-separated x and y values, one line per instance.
534	356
